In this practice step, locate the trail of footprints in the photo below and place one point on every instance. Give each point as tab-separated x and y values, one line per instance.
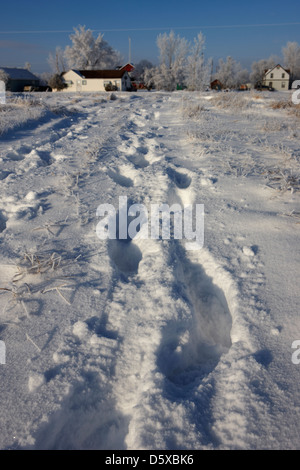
188	354
185	354
21	159
100	423
190	344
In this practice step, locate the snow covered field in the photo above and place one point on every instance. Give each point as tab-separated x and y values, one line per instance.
142	343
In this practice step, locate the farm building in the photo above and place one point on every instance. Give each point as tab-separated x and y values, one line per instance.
216	85
96	80
277	78
18	79
128	67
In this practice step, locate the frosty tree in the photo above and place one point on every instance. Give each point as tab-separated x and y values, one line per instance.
90	53
291	57
259	69
198	72
3	76
180	63
140	68
173	50
3	83
230	73
172	55
56	82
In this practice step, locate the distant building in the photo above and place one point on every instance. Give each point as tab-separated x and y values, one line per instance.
128	67
18	79
277	78
96	80
245	86
216	85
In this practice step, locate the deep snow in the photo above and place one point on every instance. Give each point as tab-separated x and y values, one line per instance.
142	343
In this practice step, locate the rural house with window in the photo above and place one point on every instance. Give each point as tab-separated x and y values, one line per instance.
96	80
277	78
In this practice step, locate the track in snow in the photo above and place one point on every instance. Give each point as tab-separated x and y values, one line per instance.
165	322
192	349
175	320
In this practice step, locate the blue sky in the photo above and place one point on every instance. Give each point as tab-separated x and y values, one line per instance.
30	30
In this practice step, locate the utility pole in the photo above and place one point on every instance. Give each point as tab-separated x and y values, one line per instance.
129	60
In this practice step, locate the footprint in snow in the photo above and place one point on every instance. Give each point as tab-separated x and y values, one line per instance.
4	174
181	180
120	179
192	348
249	251
138	159
124	253
2	222
15	156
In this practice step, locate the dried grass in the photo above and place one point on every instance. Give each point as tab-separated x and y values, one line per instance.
35	276
193	110
231	100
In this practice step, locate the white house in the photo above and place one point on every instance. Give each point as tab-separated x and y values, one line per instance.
277	77
96	80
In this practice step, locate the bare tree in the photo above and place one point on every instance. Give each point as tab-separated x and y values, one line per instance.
57	61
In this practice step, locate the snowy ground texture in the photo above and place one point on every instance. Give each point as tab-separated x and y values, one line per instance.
143	344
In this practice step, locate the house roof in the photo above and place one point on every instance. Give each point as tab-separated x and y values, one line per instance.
101	73
128	67
275	66
125	66
19	74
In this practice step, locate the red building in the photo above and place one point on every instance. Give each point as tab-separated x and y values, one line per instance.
216	85
128	67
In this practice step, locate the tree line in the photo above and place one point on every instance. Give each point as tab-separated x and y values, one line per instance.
181	63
